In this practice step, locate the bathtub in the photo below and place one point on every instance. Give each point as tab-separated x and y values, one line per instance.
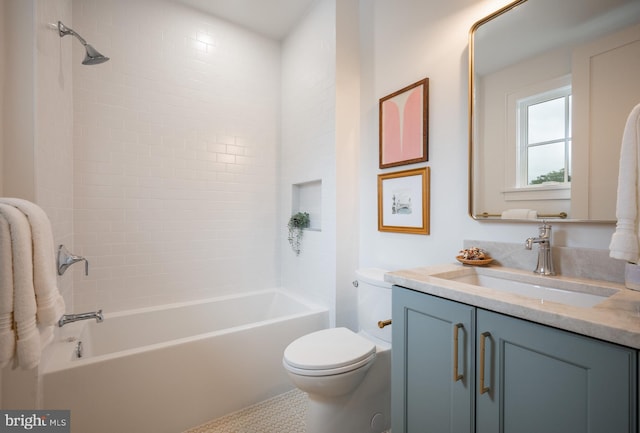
169	368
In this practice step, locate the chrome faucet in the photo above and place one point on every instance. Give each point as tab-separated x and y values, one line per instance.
66	259
545	262
68	318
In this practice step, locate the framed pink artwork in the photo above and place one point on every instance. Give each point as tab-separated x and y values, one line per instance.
404	125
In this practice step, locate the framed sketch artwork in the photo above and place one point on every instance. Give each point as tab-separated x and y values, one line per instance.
404	125
403	201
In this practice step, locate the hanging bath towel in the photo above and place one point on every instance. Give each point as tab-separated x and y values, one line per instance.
7	332
50	302
624	242
24	299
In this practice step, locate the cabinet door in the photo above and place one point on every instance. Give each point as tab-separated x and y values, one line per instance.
433	373
540	379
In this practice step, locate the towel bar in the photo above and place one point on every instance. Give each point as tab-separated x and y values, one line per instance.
562	215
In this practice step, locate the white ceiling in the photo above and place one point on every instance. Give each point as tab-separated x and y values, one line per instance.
271	18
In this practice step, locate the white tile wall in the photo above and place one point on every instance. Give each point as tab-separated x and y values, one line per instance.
309	148
53	156
175	151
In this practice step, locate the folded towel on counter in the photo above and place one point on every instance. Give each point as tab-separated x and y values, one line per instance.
24	300
7	333
49	300
624	242
519	214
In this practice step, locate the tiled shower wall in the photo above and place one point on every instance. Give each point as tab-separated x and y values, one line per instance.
175	155
309	150
53	156
37	124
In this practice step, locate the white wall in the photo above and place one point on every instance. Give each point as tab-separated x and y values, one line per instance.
175	147
308	151
347	158
403	41
19	99
37	111
2	74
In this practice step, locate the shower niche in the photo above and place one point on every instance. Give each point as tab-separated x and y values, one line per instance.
307	197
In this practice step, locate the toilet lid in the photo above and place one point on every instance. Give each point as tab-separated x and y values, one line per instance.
328	349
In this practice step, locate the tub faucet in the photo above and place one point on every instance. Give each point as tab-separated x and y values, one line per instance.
68	318
66	259
545	263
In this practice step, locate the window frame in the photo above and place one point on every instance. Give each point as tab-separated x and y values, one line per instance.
514	189
522	127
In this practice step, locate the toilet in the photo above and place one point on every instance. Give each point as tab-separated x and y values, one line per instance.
347	375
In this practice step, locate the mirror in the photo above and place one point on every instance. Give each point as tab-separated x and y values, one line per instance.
551	85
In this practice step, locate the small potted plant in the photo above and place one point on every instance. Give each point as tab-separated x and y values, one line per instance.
297	222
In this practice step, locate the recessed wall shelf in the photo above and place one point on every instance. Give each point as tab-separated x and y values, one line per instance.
307	197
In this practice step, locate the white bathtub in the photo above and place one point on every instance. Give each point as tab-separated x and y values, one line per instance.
168	368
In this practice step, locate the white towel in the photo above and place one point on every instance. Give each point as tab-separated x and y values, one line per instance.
519	214
24	299
7	332
624	242
49	300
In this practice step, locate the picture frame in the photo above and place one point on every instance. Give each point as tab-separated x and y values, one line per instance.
404	125
403	201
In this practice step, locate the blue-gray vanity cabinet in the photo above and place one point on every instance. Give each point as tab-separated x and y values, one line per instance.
541	379
518	376
431	336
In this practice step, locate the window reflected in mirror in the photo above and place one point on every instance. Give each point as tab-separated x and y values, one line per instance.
544	142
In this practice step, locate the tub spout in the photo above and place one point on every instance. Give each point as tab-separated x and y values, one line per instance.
68	318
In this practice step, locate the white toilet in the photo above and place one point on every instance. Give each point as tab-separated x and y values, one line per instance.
347	375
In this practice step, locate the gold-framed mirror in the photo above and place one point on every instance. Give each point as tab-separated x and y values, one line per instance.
550	87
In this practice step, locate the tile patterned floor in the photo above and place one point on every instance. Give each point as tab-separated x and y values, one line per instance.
284	413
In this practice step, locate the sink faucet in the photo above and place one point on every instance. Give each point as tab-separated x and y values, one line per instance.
545	263
68	318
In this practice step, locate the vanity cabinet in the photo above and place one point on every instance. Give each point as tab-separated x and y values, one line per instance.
458	368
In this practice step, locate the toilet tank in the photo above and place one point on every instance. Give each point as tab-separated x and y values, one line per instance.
374	302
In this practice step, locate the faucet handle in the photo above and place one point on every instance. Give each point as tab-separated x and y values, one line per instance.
66	259
545	229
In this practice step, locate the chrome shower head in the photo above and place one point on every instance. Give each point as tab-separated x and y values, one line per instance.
93	56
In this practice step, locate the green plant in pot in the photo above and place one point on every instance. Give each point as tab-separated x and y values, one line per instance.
297	222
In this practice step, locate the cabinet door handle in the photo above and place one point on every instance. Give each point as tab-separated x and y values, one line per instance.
456	375
483	338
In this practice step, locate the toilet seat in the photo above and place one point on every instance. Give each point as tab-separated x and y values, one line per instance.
328	352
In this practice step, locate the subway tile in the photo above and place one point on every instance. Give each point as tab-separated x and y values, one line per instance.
181	148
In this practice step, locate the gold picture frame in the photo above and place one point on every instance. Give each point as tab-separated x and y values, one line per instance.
403	201
404	125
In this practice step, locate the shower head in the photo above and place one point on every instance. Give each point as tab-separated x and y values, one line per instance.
93	56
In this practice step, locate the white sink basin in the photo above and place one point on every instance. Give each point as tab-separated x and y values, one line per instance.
564	291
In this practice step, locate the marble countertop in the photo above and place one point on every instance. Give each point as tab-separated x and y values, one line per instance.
616	319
